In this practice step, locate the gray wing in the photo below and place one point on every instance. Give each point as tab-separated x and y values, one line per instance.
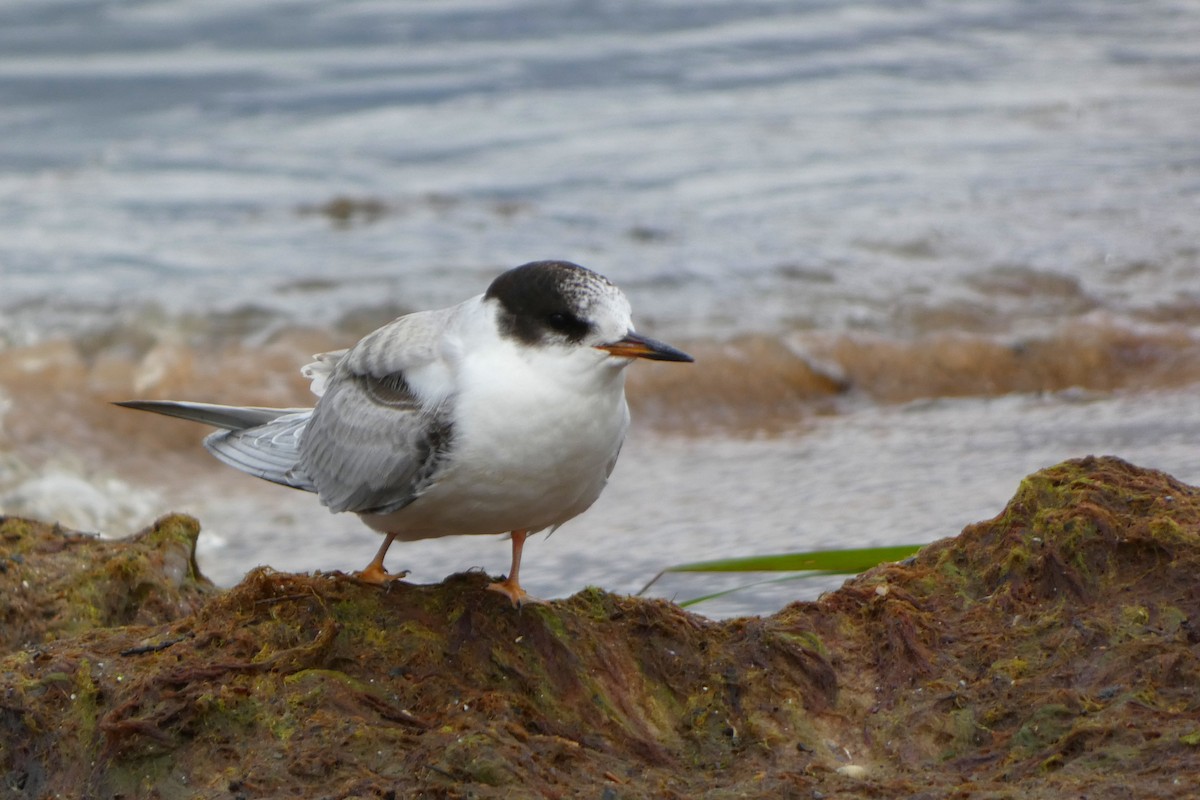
269	451
374	443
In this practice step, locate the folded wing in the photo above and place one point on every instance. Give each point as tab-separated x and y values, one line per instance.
379	433
375	441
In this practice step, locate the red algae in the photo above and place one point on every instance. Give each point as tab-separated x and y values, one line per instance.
1048	652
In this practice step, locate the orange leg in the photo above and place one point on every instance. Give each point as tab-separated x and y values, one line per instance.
374	572
510	587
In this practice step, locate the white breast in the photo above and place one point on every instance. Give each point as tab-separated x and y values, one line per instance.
536	432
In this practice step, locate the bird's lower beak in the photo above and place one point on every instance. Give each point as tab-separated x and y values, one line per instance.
636	346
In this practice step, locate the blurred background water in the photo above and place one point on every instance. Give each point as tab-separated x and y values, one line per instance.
920	250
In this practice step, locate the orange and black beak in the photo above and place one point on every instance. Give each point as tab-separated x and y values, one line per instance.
635	346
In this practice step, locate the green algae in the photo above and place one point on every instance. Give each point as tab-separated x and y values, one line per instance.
1046	724
57	583
1170	619
473	758
1013	668
807	640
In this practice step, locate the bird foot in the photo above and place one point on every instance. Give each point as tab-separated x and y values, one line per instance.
513	591
376	575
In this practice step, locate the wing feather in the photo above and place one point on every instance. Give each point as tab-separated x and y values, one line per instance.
375	440
269	451
378	435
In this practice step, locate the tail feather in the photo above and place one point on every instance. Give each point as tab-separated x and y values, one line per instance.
230	418
263	442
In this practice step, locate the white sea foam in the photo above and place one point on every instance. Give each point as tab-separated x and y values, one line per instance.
76	496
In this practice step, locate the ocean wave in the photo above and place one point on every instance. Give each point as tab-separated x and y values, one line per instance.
58	393
742	440
763	382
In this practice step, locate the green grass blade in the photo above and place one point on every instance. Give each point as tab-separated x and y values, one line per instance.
846	562
831	562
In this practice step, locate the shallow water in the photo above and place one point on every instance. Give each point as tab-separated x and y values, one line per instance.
757	166
919	250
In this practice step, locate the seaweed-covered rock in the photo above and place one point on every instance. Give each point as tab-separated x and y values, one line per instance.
1049	652
1055	647
56	582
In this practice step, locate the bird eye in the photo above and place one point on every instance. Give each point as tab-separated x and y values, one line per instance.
560	322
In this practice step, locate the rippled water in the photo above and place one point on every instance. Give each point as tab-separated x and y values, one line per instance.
844	208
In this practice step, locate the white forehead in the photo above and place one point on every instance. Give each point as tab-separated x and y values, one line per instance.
602	302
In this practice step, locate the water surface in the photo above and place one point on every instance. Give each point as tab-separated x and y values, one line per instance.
921	249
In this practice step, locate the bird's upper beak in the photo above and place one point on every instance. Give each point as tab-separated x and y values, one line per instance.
637	346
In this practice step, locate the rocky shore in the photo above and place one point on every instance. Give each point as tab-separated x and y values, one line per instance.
1053	651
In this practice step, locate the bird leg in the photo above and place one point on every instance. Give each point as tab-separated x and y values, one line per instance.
374	572
510	587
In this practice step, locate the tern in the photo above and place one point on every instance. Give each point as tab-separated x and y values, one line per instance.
502	414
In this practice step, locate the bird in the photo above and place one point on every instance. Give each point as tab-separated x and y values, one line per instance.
503	414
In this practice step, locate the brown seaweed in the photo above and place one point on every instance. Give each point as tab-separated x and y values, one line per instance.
1053	651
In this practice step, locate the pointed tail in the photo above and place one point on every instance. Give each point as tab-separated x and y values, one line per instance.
230	418
263	442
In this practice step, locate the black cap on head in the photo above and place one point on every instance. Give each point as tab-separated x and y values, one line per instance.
544	301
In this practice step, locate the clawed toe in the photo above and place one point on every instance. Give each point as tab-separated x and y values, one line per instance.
378	576
513	591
